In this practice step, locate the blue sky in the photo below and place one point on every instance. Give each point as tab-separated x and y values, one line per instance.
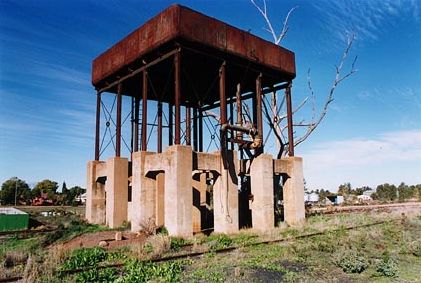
371	134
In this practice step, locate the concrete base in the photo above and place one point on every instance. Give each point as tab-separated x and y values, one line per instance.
116	191
176	162
199	201
225	196
160	205
143	194
262	206
293	191
95	193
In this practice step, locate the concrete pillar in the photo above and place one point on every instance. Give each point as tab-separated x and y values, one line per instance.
95	194
293	191
178	191
143	194
199	200
117	191
262	207
160	205
225	196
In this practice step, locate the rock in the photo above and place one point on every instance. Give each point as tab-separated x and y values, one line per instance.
237	271
118	236
103	244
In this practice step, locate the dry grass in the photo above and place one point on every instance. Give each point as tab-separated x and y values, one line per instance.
13	258
45	265
154	247
149	227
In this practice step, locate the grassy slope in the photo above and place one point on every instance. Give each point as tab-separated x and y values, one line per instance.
311	259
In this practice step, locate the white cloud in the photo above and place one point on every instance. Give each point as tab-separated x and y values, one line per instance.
390	157
367	19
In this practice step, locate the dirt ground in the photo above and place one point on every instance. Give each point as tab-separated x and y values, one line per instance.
93	239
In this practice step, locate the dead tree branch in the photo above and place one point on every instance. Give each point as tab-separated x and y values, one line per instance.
338	79
263	11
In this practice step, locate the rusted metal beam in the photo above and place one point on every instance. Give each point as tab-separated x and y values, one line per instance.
239	111
222	95
97	124
245	96
170	124
118	122
132	126
177	98
195	128
159	146
200	128
139	70
188	126
144	111
259	112
289	120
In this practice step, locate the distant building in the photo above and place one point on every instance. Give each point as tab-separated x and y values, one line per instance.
311	197
12	219
335	200
81	198
369	192
364	198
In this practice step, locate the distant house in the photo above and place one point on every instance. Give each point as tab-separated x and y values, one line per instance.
369	192
364	198
81	198
311	197
334	200
42	200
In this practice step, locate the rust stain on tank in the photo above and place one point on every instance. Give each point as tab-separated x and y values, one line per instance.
178	22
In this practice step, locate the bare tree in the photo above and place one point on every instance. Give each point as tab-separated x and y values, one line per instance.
277	121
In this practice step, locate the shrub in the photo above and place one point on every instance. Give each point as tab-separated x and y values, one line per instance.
351	261
157	245
388	267
97	275
177	243
415	248
85	257
138	271
219	241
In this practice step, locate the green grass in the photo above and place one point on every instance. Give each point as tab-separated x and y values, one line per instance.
383	253
18	245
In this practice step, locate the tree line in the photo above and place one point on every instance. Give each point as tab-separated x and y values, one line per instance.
385	192
15	190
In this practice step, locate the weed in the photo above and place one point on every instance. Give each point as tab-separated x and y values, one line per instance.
387	266
201	275
16	245
85	257
138	271
149	227
177	243
162	230
219	241
351	261
245	239
97	275
157	245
